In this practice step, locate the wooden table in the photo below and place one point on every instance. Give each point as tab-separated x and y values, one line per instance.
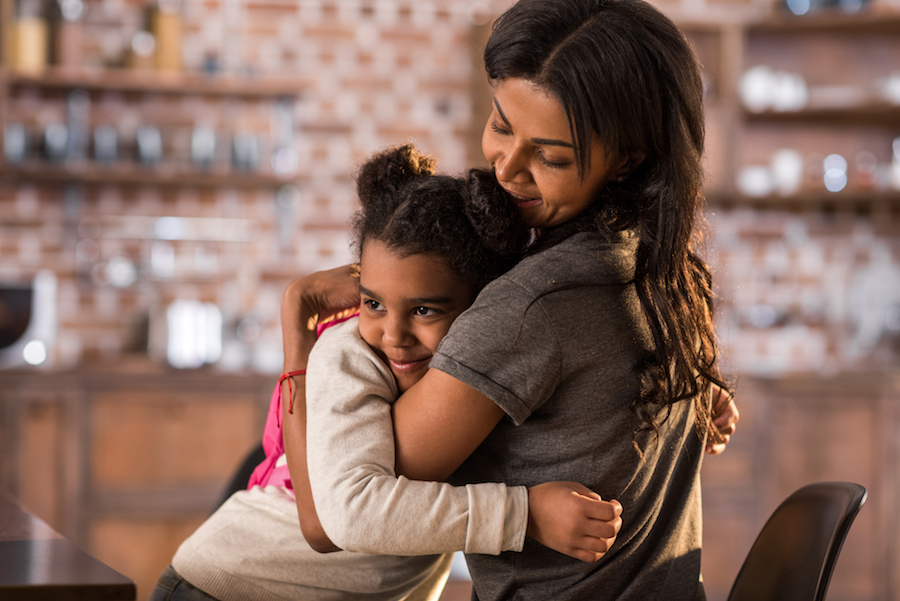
37	563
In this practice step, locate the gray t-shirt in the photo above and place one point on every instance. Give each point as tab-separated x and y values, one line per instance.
557	343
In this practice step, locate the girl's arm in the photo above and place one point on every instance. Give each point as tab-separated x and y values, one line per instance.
362	505
305	301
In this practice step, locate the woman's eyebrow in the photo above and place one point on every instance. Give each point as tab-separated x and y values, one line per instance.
502	115
539	141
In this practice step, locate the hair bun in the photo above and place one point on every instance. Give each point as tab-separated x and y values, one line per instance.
390	170
497	223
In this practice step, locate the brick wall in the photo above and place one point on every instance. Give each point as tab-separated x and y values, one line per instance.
373	73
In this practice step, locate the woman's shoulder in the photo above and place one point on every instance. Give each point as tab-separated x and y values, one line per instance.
582	258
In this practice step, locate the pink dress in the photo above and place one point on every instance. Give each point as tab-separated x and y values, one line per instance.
268	473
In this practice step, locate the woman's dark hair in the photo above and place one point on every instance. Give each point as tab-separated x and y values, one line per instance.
467	221
623	72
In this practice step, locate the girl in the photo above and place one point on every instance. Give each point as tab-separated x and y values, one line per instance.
424	256
594	359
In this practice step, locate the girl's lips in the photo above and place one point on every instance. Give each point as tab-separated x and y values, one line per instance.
407	366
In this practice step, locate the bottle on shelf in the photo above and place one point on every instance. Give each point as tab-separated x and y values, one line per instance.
67	33
30	40
166	27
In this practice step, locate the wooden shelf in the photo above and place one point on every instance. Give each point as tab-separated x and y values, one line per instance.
882	114
120	80
810	200
88	173
866	22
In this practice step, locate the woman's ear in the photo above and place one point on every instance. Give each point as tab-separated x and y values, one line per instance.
628	164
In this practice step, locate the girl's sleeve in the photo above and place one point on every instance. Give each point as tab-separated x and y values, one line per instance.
362	505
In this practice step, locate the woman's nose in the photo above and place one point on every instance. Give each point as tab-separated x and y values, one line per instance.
509	164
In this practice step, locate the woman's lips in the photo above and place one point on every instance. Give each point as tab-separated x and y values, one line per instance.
523	202
408	366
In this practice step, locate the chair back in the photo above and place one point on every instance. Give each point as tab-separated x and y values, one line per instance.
796	551
241	476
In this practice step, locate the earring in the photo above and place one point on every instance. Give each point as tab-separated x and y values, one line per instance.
620	179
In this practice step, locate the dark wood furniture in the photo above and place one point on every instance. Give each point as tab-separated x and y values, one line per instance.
38	563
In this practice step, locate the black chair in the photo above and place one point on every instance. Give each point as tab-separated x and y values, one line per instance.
242	476
796	551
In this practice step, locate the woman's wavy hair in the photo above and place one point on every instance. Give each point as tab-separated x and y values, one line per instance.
467	221
625	73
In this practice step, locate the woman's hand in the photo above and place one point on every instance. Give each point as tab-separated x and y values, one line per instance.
572	519
725	416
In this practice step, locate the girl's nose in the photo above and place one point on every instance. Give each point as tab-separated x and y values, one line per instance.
397	332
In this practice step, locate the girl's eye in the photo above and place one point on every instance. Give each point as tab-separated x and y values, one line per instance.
372	305
424	311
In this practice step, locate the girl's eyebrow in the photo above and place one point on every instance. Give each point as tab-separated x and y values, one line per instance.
538	141
435	300
366	291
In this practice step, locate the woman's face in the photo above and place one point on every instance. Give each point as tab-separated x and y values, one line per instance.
407	306
528	144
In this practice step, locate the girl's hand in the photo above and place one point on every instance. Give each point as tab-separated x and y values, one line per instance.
572	519
725	416
310	300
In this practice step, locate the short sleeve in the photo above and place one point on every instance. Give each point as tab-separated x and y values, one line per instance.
506	347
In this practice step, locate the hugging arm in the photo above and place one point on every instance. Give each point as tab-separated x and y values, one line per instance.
440	421
323	293
362	505
326	293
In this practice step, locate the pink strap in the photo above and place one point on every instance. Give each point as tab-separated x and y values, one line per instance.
273	445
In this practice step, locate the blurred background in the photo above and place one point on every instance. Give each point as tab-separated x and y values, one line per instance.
169	166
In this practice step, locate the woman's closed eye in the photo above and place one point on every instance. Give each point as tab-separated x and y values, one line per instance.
500	130
553	164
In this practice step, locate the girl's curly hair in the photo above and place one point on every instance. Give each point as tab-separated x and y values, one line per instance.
467	221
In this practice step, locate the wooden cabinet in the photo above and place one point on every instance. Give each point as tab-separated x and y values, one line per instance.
848	105
127	465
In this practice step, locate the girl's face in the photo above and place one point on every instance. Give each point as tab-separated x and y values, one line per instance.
528	144
407	306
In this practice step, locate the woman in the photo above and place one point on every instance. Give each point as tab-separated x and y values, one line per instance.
594	359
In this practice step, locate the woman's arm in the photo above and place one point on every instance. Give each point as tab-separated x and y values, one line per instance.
443	413
440	412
